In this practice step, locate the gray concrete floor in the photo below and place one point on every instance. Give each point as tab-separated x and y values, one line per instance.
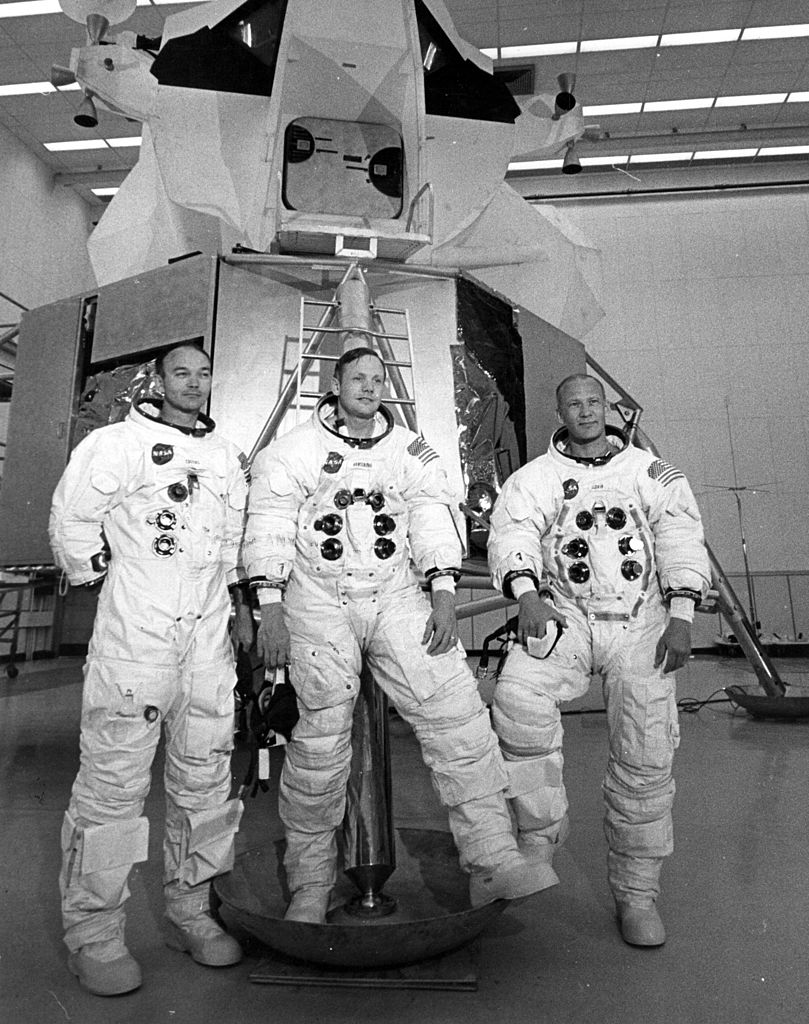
735	891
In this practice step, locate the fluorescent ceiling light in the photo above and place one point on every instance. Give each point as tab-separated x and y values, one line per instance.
611	108
490	51
775	32
695	104
602	161
26	88
56	147
724	35
658	158
34	88
798	97
537	50
104	191
533	165
30	8
782	150
27	8
724	154
131	140
751	101
619	43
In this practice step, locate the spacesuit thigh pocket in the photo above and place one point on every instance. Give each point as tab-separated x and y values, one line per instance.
208	720
322	677
399	658
114	696
647	724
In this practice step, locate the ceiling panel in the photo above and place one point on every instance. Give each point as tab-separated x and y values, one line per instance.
638	21
705	17
777	12
29	46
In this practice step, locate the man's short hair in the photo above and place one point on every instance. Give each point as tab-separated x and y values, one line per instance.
160	358
573	378
352	356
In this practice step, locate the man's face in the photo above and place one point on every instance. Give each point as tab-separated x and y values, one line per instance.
582	411
186	380
360	391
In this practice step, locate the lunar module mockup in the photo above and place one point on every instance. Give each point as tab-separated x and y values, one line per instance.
312	173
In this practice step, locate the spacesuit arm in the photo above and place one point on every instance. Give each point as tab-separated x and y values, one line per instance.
682	560
277	491
519	519
235	517
92	484
435	543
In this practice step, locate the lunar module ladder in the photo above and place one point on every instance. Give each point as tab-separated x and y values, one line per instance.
311	338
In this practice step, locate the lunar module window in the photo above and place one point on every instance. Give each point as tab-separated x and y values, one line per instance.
237	55
455	87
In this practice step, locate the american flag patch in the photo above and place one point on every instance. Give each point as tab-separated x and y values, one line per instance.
664	472
422	451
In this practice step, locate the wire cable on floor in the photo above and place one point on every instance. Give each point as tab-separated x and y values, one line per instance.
690	705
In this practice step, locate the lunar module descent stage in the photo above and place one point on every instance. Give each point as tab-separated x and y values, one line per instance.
313	176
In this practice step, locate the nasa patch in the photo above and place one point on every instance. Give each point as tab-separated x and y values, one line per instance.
162	453
571	488
333	462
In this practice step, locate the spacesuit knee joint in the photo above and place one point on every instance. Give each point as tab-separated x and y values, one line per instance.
529	775
457	784
645	839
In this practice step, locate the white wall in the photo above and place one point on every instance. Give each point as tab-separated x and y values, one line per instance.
44	232
43	237
707	302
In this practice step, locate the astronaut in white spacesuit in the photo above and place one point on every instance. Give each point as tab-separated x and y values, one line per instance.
339	507
153	506
602	545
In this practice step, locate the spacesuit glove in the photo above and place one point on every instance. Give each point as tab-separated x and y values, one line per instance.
674	645
441	630
272	641
244	628
535	614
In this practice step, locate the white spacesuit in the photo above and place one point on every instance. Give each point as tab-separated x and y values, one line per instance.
164	505
612	540
334	521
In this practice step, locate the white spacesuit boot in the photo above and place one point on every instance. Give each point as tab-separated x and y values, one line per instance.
191	929
640	835
205	849
96	861
309	904
638	916
488	850
514	878
106	968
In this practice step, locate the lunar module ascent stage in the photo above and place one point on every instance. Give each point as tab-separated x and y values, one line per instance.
314	176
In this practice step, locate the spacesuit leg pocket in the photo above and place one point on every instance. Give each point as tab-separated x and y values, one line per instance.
323	676
207	725
399	658
642	721
118	741
207	844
